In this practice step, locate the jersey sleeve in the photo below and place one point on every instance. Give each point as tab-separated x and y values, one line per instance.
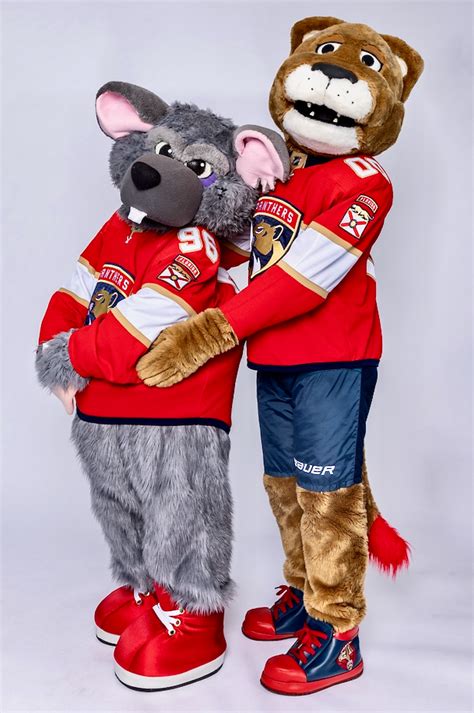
67	308
318	260
235	251
175	287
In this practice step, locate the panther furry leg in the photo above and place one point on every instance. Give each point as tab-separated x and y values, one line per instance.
281	493
334	536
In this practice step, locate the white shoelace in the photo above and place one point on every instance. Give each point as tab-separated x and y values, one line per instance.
168	618
137	595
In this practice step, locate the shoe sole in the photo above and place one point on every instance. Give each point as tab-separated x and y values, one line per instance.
276	637
105	637
286	688
163	683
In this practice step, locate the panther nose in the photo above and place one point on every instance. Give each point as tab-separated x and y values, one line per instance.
145	176
333	71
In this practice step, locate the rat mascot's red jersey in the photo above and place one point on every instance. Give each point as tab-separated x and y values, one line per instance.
129	285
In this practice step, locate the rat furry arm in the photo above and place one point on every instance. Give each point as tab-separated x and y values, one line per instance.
53	365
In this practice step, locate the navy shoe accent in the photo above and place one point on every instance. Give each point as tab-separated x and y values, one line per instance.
282	621
320	654
318	659
288	613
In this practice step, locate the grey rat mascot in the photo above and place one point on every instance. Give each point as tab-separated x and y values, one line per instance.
157	460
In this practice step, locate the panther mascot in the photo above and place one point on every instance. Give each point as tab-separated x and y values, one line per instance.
314	338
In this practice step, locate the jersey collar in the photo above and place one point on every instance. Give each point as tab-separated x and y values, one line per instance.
299	159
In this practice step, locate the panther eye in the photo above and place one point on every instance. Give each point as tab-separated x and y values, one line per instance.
328	47
164	149
201	168
370	60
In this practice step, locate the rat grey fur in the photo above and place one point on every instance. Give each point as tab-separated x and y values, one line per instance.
162	497
53	365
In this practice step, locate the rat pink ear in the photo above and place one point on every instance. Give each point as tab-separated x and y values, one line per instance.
122	108
262	156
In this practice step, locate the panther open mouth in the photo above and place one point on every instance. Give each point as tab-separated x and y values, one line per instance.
322	113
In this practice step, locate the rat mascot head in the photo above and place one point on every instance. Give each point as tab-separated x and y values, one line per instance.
343	87
177	165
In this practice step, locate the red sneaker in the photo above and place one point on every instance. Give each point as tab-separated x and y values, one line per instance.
320	658
281	621
118	610
170	647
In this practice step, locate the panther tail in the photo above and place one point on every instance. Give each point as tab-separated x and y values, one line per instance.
387	549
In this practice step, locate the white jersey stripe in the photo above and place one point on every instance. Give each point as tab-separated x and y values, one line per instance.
371	269
82	283
223	276
241	242
319	259
150	311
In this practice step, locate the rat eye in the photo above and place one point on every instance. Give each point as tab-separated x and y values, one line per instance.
164	149
201	168
370	60
328	47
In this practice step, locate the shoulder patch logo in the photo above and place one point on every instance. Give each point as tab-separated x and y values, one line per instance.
180	272
275	225
359	215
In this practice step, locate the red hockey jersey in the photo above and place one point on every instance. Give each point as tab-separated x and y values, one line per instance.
311	301
127	287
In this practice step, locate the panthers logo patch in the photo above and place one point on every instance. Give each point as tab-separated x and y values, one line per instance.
346	658
113	285
274	227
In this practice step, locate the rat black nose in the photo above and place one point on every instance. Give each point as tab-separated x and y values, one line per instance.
333	71
144	176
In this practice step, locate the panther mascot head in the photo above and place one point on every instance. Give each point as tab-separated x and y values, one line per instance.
343	87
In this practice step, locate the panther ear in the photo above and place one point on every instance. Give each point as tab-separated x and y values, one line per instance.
411	63
122	108
262	156
308	27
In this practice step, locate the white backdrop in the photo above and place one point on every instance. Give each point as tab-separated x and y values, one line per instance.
57	193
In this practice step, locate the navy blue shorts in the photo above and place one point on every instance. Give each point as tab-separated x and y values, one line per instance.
313	424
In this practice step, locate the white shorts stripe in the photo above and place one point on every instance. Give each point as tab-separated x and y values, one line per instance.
149	312
319	259
82	282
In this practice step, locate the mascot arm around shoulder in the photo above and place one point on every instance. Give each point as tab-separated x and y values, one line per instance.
339	99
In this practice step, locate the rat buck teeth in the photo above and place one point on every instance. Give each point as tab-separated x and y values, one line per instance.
136	215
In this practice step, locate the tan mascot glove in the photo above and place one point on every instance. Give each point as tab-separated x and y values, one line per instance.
182	349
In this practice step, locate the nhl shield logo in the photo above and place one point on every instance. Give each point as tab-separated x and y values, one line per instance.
274	227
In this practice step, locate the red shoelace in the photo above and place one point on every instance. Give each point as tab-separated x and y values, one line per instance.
287	600
308	641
